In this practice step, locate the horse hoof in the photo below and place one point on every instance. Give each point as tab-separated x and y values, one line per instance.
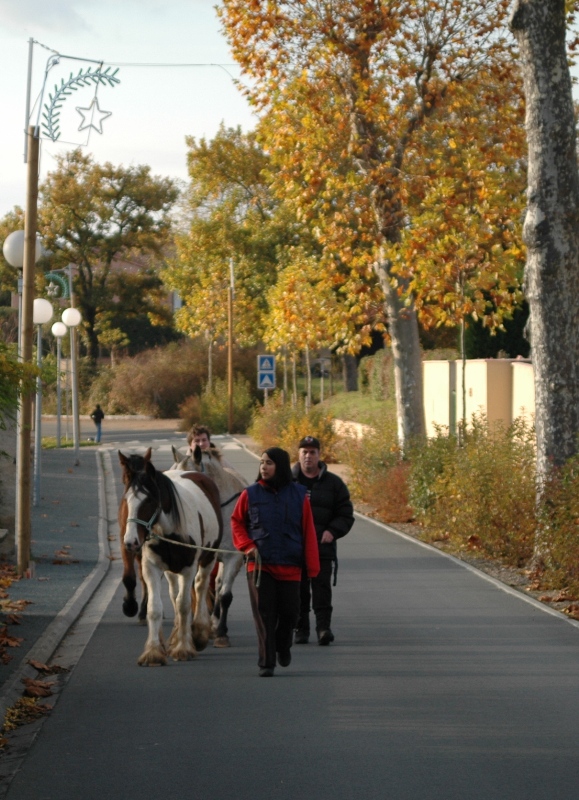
152	659
183	654
222	641
200	644
130	607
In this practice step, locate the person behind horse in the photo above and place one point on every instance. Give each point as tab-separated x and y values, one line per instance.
200	435
273	518
333	517
97	417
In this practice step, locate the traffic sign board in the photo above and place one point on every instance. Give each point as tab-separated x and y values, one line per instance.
266	363
266	371
266	380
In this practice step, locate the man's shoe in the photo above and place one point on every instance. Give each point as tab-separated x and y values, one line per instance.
284	659
266	672
301	637
325	637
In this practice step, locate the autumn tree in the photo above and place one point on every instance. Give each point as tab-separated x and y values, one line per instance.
366	80
551	227
231	223
94	215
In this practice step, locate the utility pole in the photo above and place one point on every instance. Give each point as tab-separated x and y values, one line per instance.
23	520
230	348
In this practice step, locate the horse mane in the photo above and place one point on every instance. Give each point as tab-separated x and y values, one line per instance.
158	486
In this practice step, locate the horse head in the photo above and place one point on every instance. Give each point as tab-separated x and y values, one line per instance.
132	464
150	498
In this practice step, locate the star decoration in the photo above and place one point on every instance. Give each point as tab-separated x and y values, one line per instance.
92	117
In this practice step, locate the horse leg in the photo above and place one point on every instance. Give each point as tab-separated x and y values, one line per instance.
130	606
144	593
231	566
201	619
181	641
154	652
173	593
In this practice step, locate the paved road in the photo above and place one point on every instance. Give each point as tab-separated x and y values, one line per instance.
440	686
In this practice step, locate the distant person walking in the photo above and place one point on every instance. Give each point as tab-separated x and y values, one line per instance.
333	517
97	417
273	518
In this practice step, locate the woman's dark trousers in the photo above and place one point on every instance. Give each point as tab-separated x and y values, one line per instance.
275	606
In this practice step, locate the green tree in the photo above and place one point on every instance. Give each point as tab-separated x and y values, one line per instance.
231	217
94	215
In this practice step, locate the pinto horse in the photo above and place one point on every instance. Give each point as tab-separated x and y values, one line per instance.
174	520
230	484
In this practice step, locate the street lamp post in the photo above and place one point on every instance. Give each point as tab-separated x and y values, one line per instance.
71	318
21	250
58	331
42	312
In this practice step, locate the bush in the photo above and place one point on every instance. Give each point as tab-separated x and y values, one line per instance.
558	524
211	408
379	475
470	501
281	425
159	381
376	375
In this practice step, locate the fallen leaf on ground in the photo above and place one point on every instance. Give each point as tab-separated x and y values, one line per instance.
25	710
36	688
52	670
8	641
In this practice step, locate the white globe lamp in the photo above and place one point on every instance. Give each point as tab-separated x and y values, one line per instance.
13	249
42	311
71	317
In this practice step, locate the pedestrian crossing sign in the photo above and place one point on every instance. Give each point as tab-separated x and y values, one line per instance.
266	363
266	371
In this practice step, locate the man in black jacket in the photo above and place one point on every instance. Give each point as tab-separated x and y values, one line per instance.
333	517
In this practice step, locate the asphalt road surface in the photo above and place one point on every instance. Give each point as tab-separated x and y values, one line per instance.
440	686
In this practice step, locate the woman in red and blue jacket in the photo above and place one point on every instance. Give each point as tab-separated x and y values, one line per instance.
273	517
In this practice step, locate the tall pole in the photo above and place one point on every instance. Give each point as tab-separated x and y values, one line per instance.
230	349
23	521
58	389
74	379
38	423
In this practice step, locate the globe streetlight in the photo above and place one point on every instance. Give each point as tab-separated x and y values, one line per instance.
59	330
71	318
42	313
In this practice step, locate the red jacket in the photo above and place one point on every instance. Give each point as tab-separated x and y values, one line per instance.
282	572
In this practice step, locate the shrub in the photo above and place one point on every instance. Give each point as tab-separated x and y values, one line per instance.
211	408
379	475
281	425
474	505
558	526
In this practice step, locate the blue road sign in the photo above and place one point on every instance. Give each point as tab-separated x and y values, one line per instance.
266	363
266	371
266	380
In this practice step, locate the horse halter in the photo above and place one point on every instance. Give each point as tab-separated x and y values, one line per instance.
147	525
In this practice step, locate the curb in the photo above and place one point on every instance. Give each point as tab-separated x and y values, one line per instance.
45	646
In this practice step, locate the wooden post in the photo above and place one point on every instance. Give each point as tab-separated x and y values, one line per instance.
230	361
23	521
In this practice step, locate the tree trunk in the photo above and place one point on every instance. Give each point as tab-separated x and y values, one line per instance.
551	228
350	372
210	366
308	380
294	382
403	329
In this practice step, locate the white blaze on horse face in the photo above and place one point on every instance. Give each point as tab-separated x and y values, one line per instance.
131	538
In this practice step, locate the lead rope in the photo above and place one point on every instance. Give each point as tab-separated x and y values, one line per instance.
257	557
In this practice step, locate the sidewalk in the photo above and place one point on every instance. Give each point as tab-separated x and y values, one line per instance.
69	552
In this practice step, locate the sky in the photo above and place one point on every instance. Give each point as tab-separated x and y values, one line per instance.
152	109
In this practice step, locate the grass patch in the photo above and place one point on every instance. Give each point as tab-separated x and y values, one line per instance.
49	443
359	407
